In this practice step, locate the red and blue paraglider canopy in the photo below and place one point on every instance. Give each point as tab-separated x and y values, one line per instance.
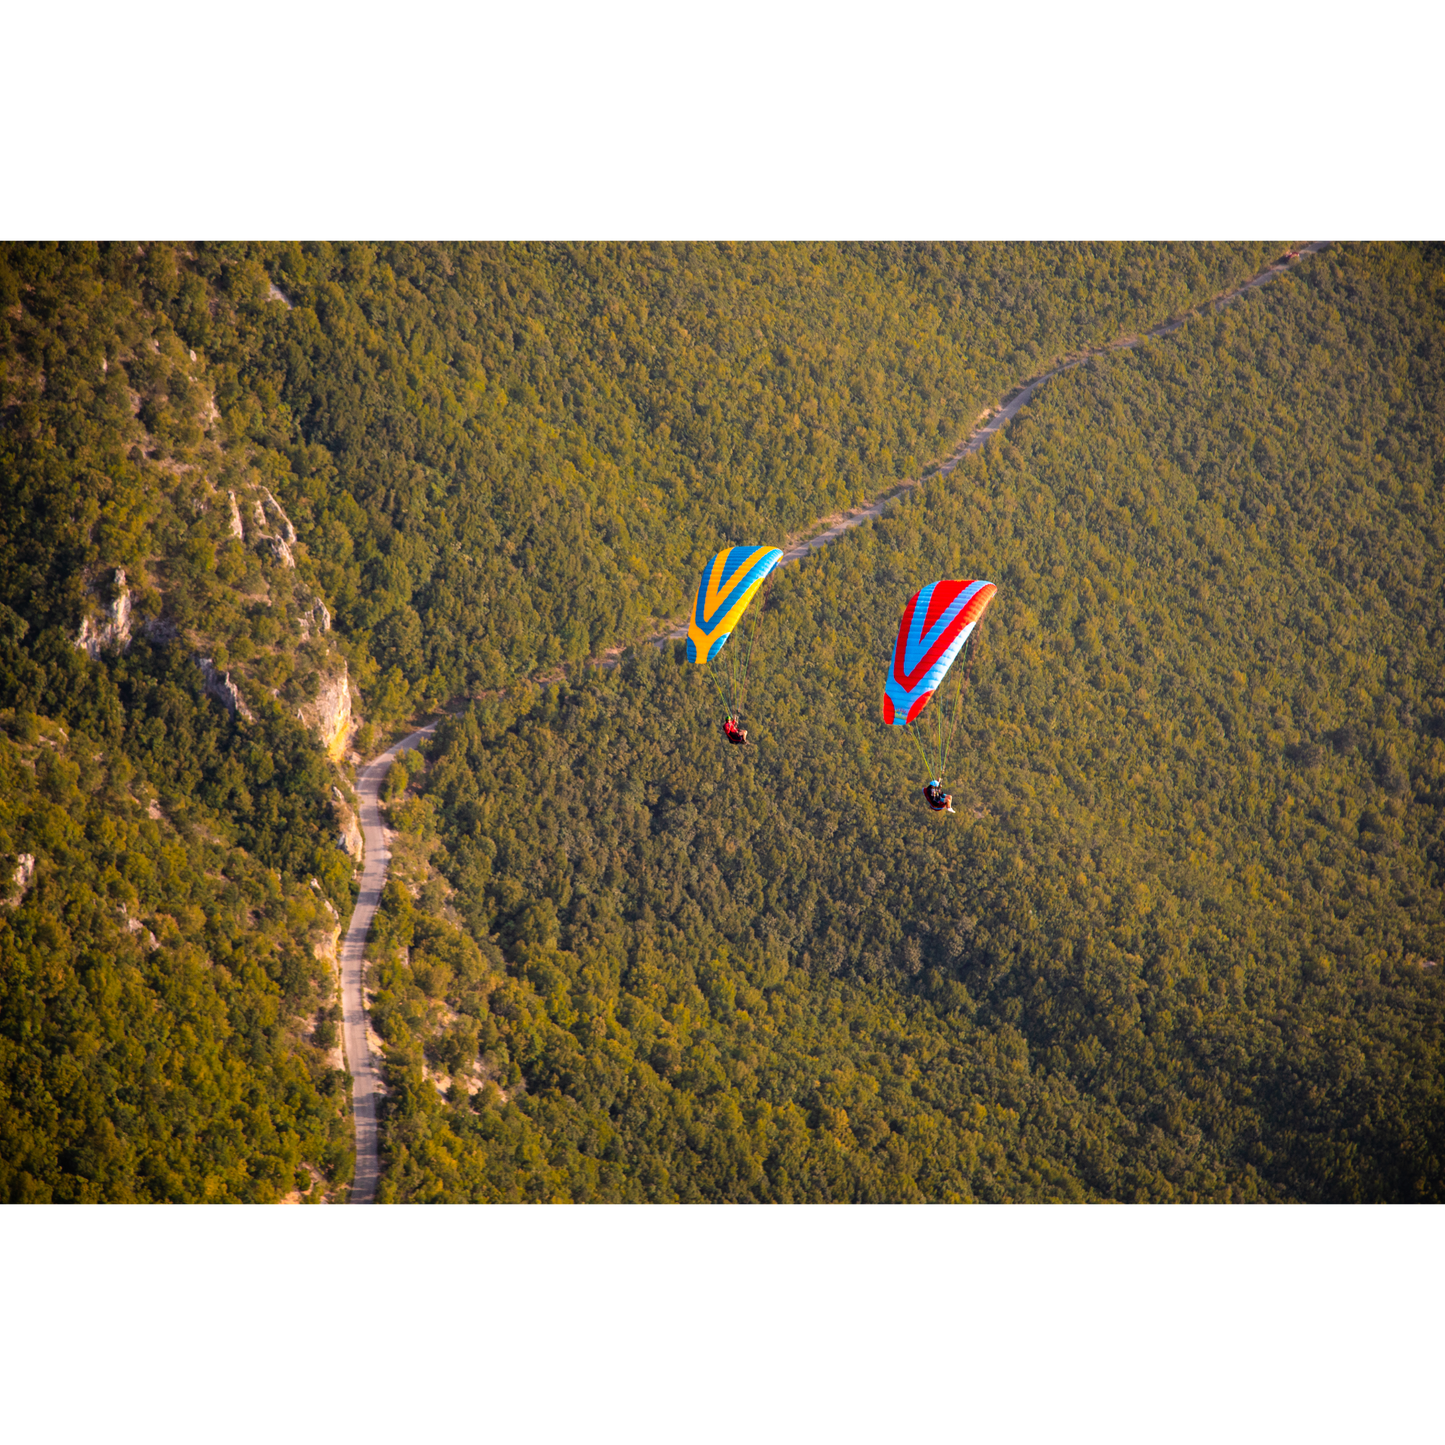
936	623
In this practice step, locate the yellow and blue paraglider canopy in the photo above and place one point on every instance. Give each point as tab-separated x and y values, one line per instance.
728	583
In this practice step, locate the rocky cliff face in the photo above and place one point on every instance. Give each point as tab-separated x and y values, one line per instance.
281	540
253	517
112	629
220	687
274	507
348	829
20	880
317	615
329	717
326	947
134	925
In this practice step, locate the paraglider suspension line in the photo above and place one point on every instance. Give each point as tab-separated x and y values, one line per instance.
757	628
922	751
722	696
739	663
967	680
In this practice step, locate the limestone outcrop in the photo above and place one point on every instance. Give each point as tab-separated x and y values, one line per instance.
113	628
330	715
219	686
317	615
274	507
348	837
326	946
271	526
134	925
20	880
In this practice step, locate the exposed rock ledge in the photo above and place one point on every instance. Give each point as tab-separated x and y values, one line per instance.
134	925
112	629
274	507
20	880
115	628
330	715
325	948
282	543
348	838
318	613
220	687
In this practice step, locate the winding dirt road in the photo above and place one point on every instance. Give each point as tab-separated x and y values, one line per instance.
989	424
365	1079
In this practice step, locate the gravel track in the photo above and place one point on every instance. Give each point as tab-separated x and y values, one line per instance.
366	1087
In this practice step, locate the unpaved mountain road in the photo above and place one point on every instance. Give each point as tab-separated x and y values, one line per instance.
989	424
365	1079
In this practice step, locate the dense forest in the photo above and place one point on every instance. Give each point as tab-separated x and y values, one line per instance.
1183	939
1180	942
169	693
167	1023
504	456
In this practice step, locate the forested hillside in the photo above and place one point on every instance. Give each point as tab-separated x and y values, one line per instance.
167	1029
507	456
169	690
1182	940
499	456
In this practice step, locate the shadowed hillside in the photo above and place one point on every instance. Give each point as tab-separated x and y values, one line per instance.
1182	941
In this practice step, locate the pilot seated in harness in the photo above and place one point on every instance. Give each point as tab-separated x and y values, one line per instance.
936	798
734	733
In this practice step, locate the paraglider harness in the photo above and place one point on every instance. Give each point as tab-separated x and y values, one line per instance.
734	734
935	797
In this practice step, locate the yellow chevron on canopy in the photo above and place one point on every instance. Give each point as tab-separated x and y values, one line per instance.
728	584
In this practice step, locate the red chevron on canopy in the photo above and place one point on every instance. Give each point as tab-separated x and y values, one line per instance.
909	667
